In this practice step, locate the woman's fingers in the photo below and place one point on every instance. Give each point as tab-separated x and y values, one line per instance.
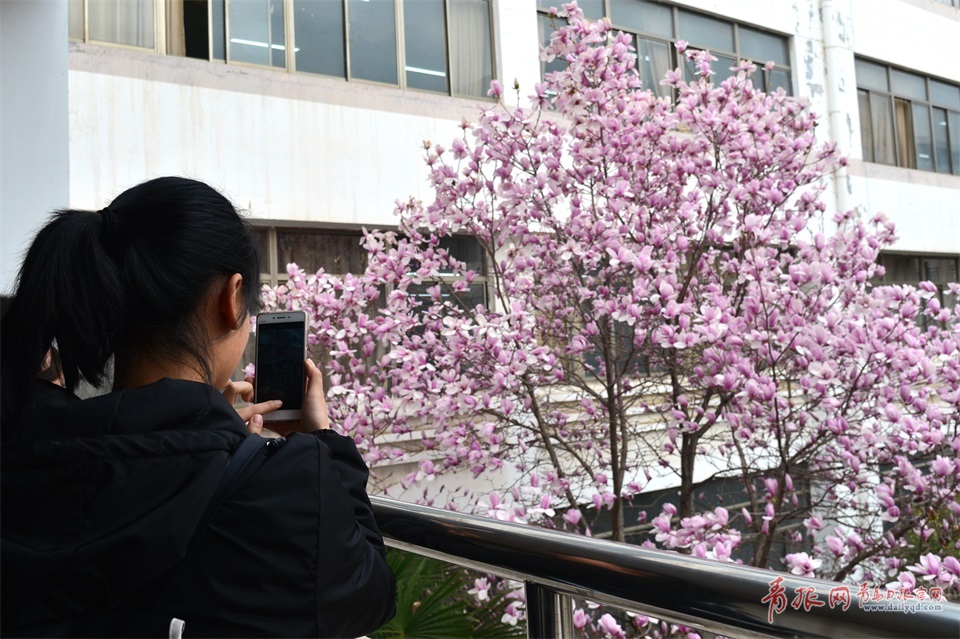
248	412
255	425
243	390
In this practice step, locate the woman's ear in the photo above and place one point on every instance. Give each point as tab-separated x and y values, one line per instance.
231	301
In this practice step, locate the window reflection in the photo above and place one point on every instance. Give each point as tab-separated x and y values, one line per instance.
373	40
425	42
318	28
256	32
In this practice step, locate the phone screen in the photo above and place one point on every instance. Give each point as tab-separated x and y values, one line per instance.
280	363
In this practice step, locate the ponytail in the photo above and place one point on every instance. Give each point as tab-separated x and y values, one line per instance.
68	289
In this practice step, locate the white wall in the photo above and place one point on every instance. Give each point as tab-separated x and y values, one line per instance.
34	163
296	147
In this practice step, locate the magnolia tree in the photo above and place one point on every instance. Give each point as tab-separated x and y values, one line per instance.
667	300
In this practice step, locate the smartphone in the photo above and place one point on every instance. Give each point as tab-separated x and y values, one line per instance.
281	351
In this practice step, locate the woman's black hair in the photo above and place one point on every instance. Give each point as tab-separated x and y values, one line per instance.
125	279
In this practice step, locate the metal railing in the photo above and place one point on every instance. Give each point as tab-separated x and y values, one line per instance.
720	598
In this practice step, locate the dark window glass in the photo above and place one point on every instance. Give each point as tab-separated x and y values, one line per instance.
278	50
318	32
547	26
881	114
195	29
471	46
218	29
866	127
469	251
704	32
871	76
465	249
779	79
940	270
626	358
645	17
475	295
653	58
373	40
336	253
722	68
941	140
900	269
944	94
908	85
763	47
256	32
425	42
921	132
953	124
922	137
592	9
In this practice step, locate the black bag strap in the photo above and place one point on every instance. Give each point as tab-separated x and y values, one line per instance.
241	458
238	463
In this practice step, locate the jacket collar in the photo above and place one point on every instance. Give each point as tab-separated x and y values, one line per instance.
52	412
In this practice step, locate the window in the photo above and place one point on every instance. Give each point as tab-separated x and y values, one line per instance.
339	252
127	22
336	252
469	251
907	119
913	269
442	46
655	27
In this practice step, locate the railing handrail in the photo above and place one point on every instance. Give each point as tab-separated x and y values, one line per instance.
723	598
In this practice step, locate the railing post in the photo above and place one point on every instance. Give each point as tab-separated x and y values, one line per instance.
549	614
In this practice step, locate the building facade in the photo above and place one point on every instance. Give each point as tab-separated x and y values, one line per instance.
311	114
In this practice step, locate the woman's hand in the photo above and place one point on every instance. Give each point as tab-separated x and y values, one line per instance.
252	415
314	415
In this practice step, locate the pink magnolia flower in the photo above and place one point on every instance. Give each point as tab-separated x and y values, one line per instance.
610	627
801	564
580	619
480	589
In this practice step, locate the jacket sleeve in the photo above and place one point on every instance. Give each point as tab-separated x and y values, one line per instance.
356	590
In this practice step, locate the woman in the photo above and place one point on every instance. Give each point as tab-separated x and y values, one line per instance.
123	512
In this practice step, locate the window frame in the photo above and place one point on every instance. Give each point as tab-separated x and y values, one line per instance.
929	104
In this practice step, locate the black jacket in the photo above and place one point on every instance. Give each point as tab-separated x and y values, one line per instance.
101	497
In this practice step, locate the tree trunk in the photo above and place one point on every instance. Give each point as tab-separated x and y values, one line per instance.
688	456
